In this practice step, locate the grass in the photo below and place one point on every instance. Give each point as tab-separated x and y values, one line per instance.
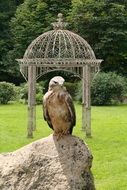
108	144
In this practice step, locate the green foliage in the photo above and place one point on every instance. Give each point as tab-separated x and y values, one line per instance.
78	94
107	88
7	92
24	92
39	92
71	88
32	18
103	24
7	10
39	98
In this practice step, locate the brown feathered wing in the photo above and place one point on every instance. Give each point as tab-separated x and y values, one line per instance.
71	109
45	109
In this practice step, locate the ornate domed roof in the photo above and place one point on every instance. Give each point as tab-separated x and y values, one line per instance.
58	48
59	44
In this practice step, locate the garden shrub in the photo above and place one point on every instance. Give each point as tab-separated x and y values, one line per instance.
39	98
106	89
71	88
39	92
7	92
78	94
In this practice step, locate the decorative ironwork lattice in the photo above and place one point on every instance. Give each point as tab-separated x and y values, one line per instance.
59	49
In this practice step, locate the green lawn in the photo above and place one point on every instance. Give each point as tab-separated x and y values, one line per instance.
108	145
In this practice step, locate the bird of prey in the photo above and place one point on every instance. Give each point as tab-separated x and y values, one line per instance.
58	108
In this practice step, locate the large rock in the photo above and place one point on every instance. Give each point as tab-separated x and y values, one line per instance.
48	164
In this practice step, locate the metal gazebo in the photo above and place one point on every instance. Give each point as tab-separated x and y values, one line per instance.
59	49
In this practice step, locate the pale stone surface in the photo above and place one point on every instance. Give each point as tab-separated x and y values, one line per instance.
48	164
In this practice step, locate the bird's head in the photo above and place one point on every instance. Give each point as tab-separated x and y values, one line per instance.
56	81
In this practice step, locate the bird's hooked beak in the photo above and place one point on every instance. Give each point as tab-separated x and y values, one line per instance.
56	81
61	83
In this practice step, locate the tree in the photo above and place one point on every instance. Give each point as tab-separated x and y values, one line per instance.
103	23
33	18
7	10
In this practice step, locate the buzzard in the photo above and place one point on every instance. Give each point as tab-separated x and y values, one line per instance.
58	108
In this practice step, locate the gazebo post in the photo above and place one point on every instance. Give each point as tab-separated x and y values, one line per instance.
86	103
83	100
31	100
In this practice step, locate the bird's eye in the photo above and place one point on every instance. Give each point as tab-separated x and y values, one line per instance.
55	82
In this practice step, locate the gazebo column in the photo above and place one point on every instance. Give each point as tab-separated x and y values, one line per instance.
31	100
86	103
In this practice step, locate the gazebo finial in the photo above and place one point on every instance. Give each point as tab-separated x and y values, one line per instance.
59	25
